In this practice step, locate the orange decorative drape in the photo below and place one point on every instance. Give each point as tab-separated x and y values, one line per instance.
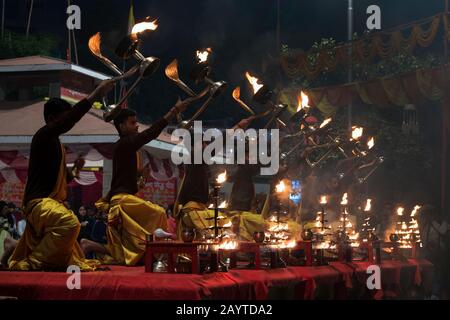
379	45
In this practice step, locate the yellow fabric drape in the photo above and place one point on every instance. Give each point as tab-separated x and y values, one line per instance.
50	239
427	85
246	223
399	90
394	90
130	220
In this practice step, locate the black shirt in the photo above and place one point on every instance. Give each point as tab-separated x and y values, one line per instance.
46	153
195	186
243	191
125	171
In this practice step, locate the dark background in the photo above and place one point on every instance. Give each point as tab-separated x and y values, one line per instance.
242	34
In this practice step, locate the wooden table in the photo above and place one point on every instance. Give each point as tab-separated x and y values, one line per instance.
247	247
172	248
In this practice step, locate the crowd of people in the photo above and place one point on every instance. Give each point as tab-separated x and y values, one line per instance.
12	223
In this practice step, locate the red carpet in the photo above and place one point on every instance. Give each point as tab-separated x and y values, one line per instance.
335	281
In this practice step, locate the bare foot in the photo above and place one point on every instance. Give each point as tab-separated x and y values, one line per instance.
89	246
9	245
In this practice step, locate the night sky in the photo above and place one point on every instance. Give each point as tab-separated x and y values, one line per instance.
242	34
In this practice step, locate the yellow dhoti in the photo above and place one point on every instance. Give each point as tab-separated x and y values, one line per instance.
130	220
49	241
247	223
195	215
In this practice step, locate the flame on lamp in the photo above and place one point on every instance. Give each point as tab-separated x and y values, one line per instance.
371	143
254	82
325	122
143	26
368	205
228	225
236	93
228	245
280	187
414	212
357	132
287	244
223	205
94	44
344	200
325	245
302	101
221	178
400	211
323	200
202	56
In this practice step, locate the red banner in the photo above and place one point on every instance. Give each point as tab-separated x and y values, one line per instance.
12	192
72	95
159	192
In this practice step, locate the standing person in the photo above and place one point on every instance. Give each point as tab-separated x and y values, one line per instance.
130	219
49	241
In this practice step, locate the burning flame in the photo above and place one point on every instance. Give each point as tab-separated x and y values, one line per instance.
325	122
254	82
287	244
354	236
202	56
325	245
414	224
228	225
400	211
94	44
223	205
414	212
279	227
237	93
344	201
368	205
228	245
280	187
371	143
143	26
273	219
357	132
302	101
222	177
323	200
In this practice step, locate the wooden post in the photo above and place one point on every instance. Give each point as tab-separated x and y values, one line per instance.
444	126
29	18
3	19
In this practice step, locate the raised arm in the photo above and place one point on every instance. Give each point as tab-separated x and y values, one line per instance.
68	120
138	140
